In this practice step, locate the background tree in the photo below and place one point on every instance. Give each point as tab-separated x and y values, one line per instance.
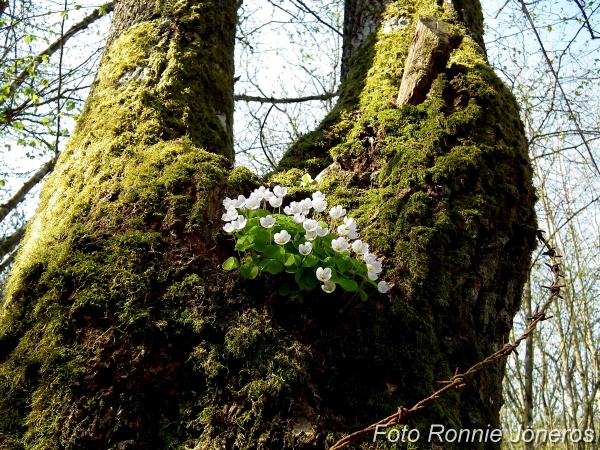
116	302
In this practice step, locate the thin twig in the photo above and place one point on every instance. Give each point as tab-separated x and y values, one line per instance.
316	16
19	196
262	125
60	79
250	98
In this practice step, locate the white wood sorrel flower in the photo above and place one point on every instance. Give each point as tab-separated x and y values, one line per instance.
310	225
360	247
319	205
323	274
282	238
240	223
299	218
311	235
230	215
318	195
227	203
293	209
252	202
268	195
275	202
322	232
383	287
336	212
339	245
328	286
350	223
280	191
268	221
239	202
305	249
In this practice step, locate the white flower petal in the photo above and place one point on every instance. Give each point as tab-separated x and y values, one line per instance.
383	287
310	235
319	205
305	249
343	230
339	245
328	286
318	195
299	218
239	202
252	202
231	214
267	221
322	232
306	205
275	202
323	274
240	223
282	238
310	225
280	191
336	212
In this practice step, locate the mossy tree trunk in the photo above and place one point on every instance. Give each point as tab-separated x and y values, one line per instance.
120	330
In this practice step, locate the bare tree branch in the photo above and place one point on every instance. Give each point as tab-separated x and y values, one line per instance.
249	98
8	260
8	244
316	16
261	134
586	20
19	196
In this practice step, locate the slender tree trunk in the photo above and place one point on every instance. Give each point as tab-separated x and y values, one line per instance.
528	368
120	330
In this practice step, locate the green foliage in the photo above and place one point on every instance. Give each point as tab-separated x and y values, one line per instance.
275	243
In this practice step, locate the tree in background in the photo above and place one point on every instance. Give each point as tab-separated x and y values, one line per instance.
120	329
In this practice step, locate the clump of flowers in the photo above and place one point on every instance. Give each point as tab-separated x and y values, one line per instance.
299	241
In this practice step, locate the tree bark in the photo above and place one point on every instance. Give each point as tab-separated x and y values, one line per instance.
94	349
120	330
427	57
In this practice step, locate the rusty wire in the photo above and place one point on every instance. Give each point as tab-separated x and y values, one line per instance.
459	380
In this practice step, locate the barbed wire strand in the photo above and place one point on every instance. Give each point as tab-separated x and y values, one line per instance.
460	380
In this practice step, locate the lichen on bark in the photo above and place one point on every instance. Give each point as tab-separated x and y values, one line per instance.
119	328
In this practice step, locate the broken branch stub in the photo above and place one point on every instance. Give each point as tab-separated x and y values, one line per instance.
428	55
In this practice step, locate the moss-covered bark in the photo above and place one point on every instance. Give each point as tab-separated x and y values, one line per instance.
443	189
120	330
